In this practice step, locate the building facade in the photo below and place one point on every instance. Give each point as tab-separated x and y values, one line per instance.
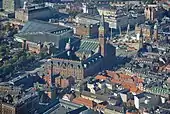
116	16
87	26
88	31
11	5
41	13
84	58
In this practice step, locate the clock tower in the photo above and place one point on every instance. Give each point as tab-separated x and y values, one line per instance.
102	38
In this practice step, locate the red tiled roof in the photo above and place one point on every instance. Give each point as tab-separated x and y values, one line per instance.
115	81
123	76
101	77
83	101
125	80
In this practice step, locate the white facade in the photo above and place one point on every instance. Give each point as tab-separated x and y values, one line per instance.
109	86
84	7
123	97
137	101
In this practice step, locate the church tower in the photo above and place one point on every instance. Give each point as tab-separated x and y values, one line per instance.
102	37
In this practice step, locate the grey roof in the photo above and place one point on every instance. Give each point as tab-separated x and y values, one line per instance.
41	26
140	95
86	15
65	107
41	37
88	19
97	96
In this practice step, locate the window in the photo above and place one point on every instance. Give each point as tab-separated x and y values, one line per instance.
71	65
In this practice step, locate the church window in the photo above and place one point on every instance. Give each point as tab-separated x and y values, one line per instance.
71	65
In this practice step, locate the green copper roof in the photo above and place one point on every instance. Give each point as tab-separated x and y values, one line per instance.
159	90
89	45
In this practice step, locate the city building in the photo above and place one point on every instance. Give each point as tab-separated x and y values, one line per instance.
14	101
89	8
115	16
39	35
84	58
30	12
87	26
11	5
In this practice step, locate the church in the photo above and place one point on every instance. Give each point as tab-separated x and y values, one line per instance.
83	58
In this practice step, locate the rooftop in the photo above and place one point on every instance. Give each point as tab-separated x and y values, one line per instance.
41	37
15	96
41	26
83	101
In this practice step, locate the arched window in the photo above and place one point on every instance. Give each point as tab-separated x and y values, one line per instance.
78	66
71	65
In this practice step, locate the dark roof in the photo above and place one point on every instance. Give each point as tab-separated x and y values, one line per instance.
65	107
38	9
140	95
41	37
41	26
124	91
79	110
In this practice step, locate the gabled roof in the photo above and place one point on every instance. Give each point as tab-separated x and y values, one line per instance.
41	26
